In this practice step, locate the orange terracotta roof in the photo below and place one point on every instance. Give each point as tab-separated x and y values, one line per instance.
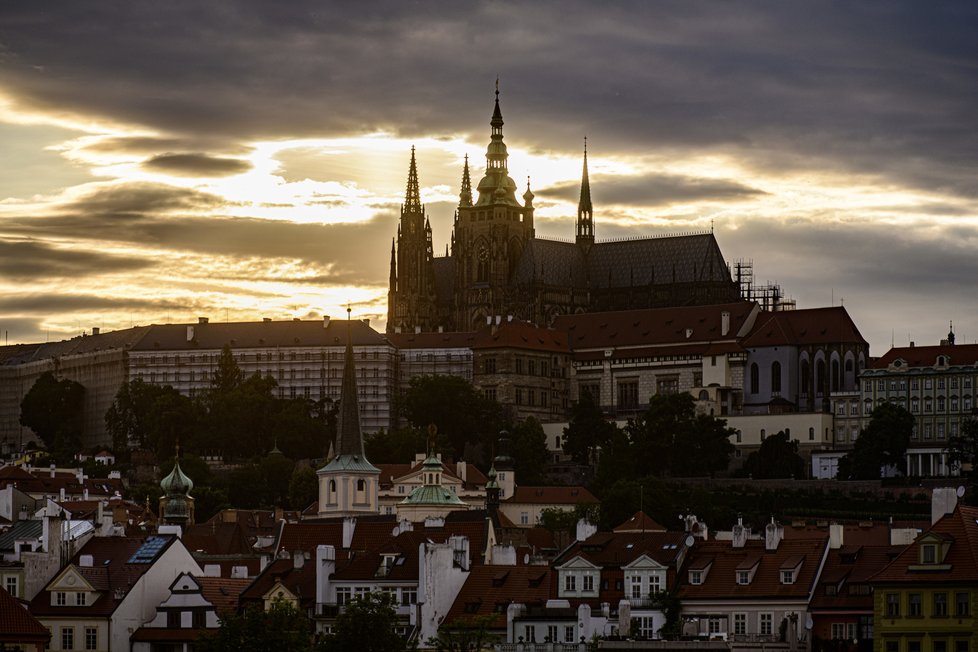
489	589
17	624
616	549
961	562
521	335
654	326
453	340
720	582
222	592
639	522
551	496
798	327
926	356
845	569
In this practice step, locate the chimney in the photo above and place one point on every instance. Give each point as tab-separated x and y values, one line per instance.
85	493
190	333
584	530
836	535
349	527
366	322
499	320
417	329
298	559
740	534
461	470
52	470
95	330
325	566
325	321
773	533
911	345
441	329
202	320
266	320
489	320
86	561
724	323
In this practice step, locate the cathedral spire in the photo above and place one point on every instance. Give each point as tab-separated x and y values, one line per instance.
412	199
585	212
393	278
465	197
496	155
349	440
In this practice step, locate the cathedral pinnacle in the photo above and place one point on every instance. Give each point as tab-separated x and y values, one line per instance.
585	212
412	199
465	197
349	439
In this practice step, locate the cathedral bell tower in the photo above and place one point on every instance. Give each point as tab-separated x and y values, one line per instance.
411	303
489	237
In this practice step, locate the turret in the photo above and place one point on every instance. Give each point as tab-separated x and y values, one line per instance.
585	212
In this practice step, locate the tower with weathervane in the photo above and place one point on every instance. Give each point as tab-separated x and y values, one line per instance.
348	483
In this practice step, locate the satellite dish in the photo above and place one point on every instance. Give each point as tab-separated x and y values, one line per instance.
690	541
808	622
961	491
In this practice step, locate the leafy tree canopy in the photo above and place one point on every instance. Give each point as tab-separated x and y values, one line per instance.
777	458
882	443
53	409
282	627
368	624
528	447
303	487
457	409
963	453
587	430
153	417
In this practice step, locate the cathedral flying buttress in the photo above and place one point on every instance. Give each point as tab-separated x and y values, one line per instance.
498	267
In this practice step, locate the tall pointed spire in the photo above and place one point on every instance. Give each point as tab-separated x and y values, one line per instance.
585	212
497	157
496	187
349	440
412	199
465	197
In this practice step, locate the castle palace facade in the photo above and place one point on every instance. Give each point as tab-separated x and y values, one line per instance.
497	266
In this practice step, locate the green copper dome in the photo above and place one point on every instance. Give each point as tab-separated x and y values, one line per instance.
177	482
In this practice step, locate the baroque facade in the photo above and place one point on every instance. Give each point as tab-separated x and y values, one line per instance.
498	266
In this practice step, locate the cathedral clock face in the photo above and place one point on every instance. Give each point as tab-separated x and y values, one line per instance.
483	254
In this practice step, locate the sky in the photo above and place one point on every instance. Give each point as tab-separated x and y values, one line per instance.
242	160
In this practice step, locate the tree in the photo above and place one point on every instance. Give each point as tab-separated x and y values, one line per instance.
303	487
670	437
587	431
53	409
401	445
777	458
457	409
282	627
528	447
228	375
883	442
962	453
463	634
153	417
367	624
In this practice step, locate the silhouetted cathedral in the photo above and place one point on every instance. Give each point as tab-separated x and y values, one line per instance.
497	266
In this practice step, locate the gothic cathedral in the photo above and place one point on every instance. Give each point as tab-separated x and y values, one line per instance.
498	267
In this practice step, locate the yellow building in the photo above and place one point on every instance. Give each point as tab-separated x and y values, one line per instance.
924	600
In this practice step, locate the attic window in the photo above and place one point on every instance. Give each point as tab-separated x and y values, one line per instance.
743	577
788	576
695	577
472	607
928	554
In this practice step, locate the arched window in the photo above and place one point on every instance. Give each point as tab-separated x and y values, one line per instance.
835	376
704	395
755	378
820	377
361	485
775	376
332	486
806	380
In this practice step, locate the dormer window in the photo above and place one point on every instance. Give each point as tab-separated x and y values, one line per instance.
787	577
743	577
695	577
928	554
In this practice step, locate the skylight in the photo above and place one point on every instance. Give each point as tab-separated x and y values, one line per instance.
148	551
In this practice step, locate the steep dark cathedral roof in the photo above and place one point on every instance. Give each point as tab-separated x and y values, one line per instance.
676	259
551	262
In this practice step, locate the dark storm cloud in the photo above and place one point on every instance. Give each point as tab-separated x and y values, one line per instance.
128	199
197	165
874	87
46	304
652	190
30	260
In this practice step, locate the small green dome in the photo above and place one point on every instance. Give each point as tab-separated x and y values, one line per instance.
177	482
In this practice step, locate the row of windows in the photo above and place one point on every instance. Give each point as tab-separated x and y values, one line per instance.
437	357
804	376
930	405
530	634
915	383
68	638
267	356
937	645
939	604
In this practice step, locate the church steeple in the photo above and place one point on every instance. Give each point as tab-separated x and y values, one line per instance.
465	197
348	484
585	213
412	198
496	186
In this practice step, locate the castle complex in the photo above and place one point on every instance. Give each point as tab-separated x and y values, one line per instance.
498	266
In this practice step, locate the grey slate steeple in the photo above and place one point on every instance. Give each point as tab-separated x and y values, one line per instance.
585	212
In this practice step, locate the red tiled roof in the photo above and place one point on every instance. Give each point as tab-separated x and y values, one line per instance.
654	326
639	522
41	482
615	549
453	340
109	571
222	592
521	335
720	582
300	581
551	496
17	624
799	327
489	586
961	562
926	356
846	567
